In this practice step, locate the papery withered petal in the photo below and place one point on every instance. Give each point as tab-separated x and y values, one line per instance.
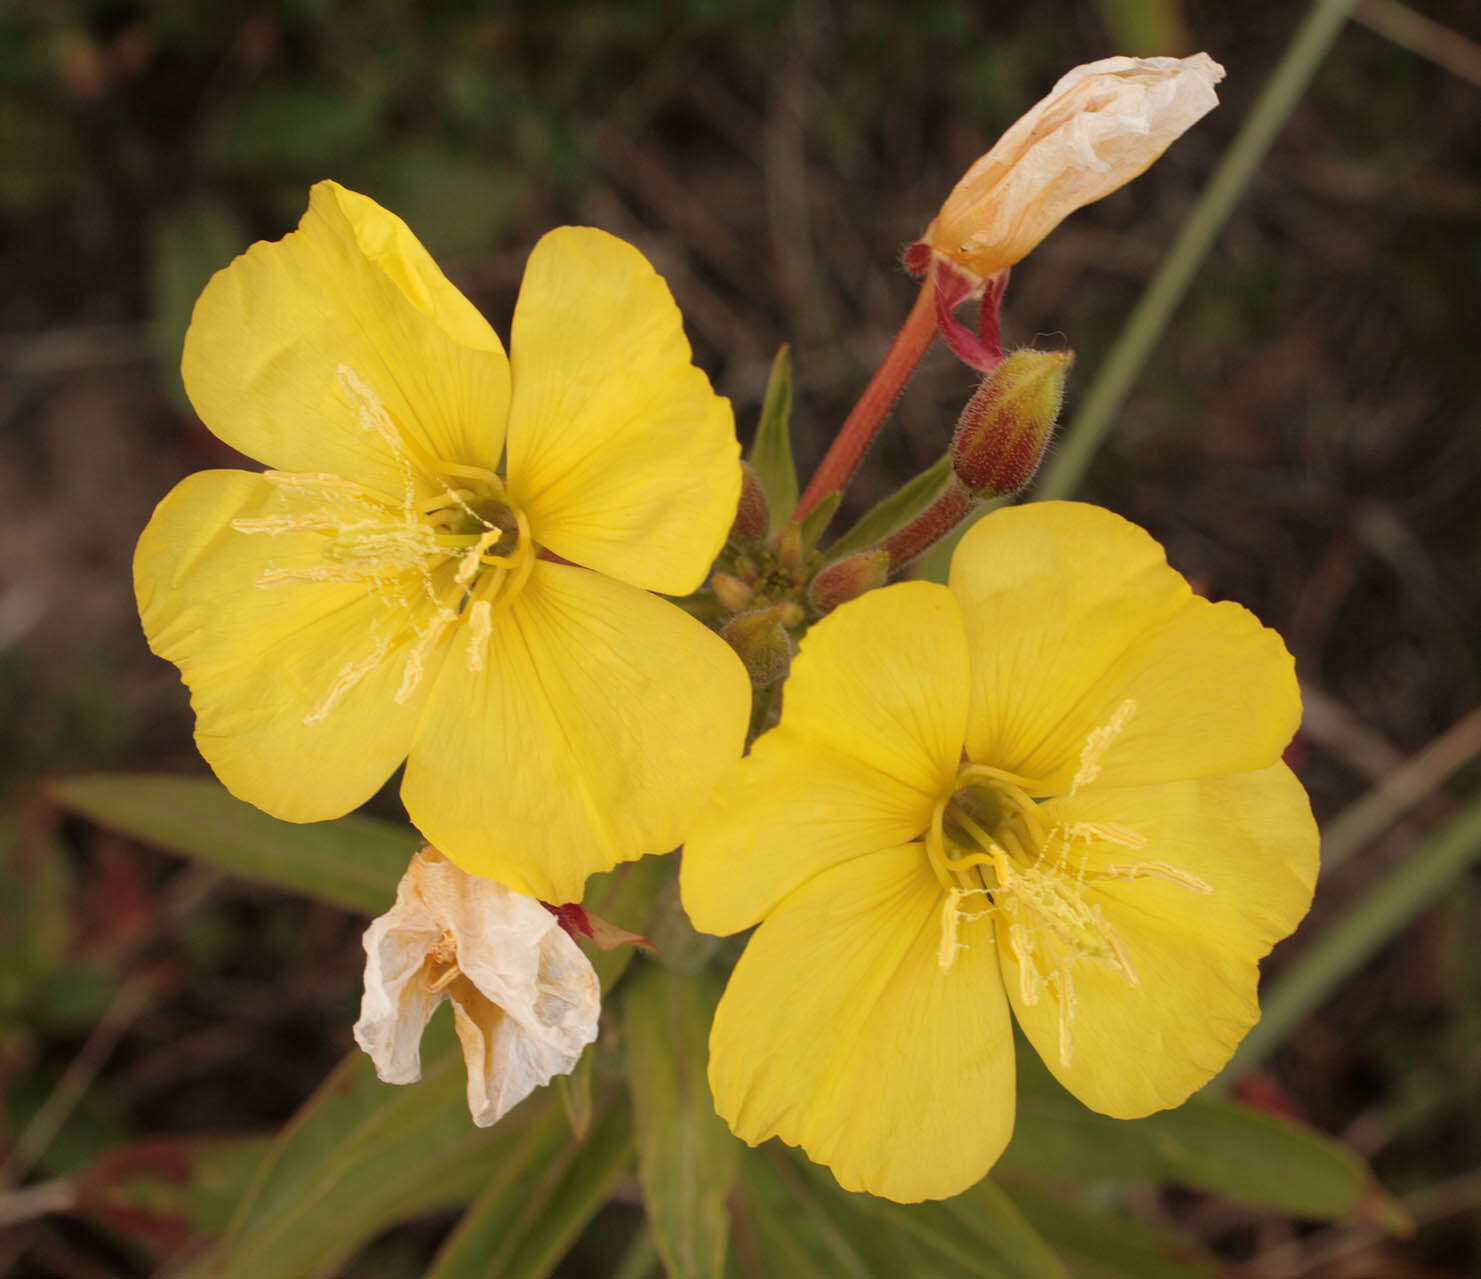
1098	128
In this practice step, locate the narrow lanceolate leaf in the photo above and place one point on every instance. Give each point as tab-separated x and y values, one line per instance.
686	1155
1207	1143
771	451
353	863
170	1195
526	1220
363	1155
894	511
977	1233
1111	1245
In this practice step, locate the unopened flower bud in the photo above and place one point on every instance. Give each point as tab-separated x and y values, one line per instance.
848	578
1002	433
753	515
1099	127
789	545
733	593
763	644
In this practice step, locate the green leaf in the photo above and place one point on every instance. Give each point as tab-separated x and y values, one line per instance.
1103	1245
354	863
169	1193
686	1155
526	1221
771	451
780	1229
1207	1143
894	511
979	1232
816	523
363	1155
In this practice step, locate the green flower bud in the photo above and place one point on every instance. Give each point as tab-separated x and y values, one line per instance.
1003	432
762	641
732	593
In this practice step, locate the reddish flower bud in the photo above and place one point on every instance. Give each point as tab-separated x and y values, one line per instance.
1002	433
753	515
848	578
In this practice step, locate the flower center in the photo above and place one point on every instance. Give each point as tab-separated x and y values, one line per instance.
451	551
990	838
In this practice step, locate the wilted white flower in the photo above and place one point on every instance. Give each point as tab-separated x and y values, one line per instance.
1100	126
525	999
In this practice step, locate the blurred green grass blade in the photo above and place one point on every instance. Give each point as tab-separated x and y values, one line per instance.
771	450
686	1155
781	1229
362	1155
1362	931
1207	1143
169	1193
978	1233
1144	328
894	511
1105	1245
188	243
529	1216
354	863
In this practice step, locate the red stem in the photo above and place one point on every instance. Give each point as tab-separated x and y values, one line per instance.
863	422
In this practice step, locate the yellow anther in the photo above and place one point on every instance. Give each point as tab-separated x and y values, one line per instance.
350	675
480	627
275	524
1098	742
416	659
1159	870
946	951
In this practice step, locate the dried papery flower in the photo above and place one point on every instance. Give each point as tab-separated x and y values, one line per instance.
525	999
1099	127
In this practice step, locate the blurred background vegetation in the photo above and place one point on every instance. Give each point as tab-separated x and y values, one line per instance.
1305	438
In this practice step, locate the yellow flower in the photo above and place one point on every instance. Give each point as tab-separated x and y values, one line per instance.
383	592
1056	785
1099	127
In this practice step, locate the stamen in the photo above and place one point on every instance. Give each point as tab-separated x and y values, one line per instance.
1097	743
350	675
946	951
1066	993
416	658
275	524
480	627
1159	870
1107	832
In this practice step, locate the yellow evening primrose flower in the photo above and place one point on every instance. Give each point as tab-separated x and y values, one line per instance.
386	592
1056	785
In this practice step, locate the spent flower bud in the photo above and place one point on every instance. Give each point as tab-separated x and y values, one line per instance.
848	578
761	639
1003	432
753	514
1099	127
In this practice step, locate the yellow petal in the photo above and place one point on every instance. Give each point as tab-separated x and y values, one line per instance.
840	1032
1249	838
341	348
293	684
622	456
590	733
1077	626
869	740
